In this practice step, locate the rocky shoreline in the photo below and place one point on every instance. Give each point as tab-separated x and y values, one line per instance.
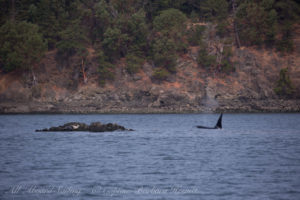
227	106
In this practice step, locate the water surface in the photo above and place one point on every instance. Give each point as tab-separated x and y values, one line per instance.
255	156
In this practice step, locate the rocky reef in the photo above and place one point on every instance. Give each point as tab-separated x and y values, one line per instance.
93	127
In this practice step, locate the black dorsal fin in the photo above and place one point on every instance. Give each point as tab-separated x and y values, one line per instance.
219	123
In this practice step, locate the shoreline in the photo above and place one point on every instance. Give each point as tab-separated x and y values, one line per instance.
148	112
112	107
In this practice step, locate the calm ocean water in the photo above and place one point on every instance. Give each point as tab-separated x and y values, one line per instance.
255	156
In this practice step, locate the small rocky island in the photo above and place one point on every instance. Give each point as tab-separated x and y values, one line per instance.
93	127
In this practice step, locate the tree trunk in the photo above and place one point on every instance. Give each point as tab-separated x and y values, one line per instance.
236	34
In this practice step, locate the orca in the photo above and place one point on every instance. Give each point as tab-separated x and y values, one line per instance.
217	126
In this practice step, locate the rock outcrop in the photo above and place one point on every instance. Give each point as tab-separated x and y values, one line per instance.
93	127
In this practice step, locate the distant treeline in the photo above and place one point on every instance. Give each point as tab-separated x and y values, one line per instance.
138	30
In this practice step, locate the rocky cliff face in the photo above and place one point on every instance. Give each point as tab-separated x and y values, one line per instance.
192	89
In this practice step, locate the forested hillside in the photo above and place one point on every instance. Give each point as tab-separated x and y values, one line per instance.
113	35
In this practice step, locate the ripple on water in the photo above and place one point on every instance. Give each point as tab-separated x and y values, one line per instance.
255	156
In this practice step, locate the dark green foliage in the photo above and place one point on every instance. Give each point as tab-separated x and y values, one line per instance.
285	44
154	7
222	28
164	53
170	28
207	9
218	63
51	16
205	60
102	19
288	10
227	66
115	43
126	34
134	63
136	30
271	29
4	11
251	23
160	74
21	45
214	9
284	86
195	34
170	21
105	68
72	43
261	22
125	6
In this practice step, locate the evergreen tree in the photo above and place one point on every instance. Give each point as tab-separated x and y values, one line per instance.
103	19
72	41
170	21
21	46
115	43
261	22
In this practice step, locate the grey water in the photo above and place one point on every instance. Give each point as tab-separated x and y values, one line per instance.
254	156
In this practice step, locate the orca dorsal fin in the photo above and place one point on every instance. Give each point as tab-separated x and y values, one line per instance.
219	123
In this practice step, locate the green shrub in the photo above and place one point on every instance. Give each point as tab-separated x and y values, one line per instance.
285	43
195	34
134	63
170	21
227	66
214	9
284	86
106	71
222	29
160	74
206	60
